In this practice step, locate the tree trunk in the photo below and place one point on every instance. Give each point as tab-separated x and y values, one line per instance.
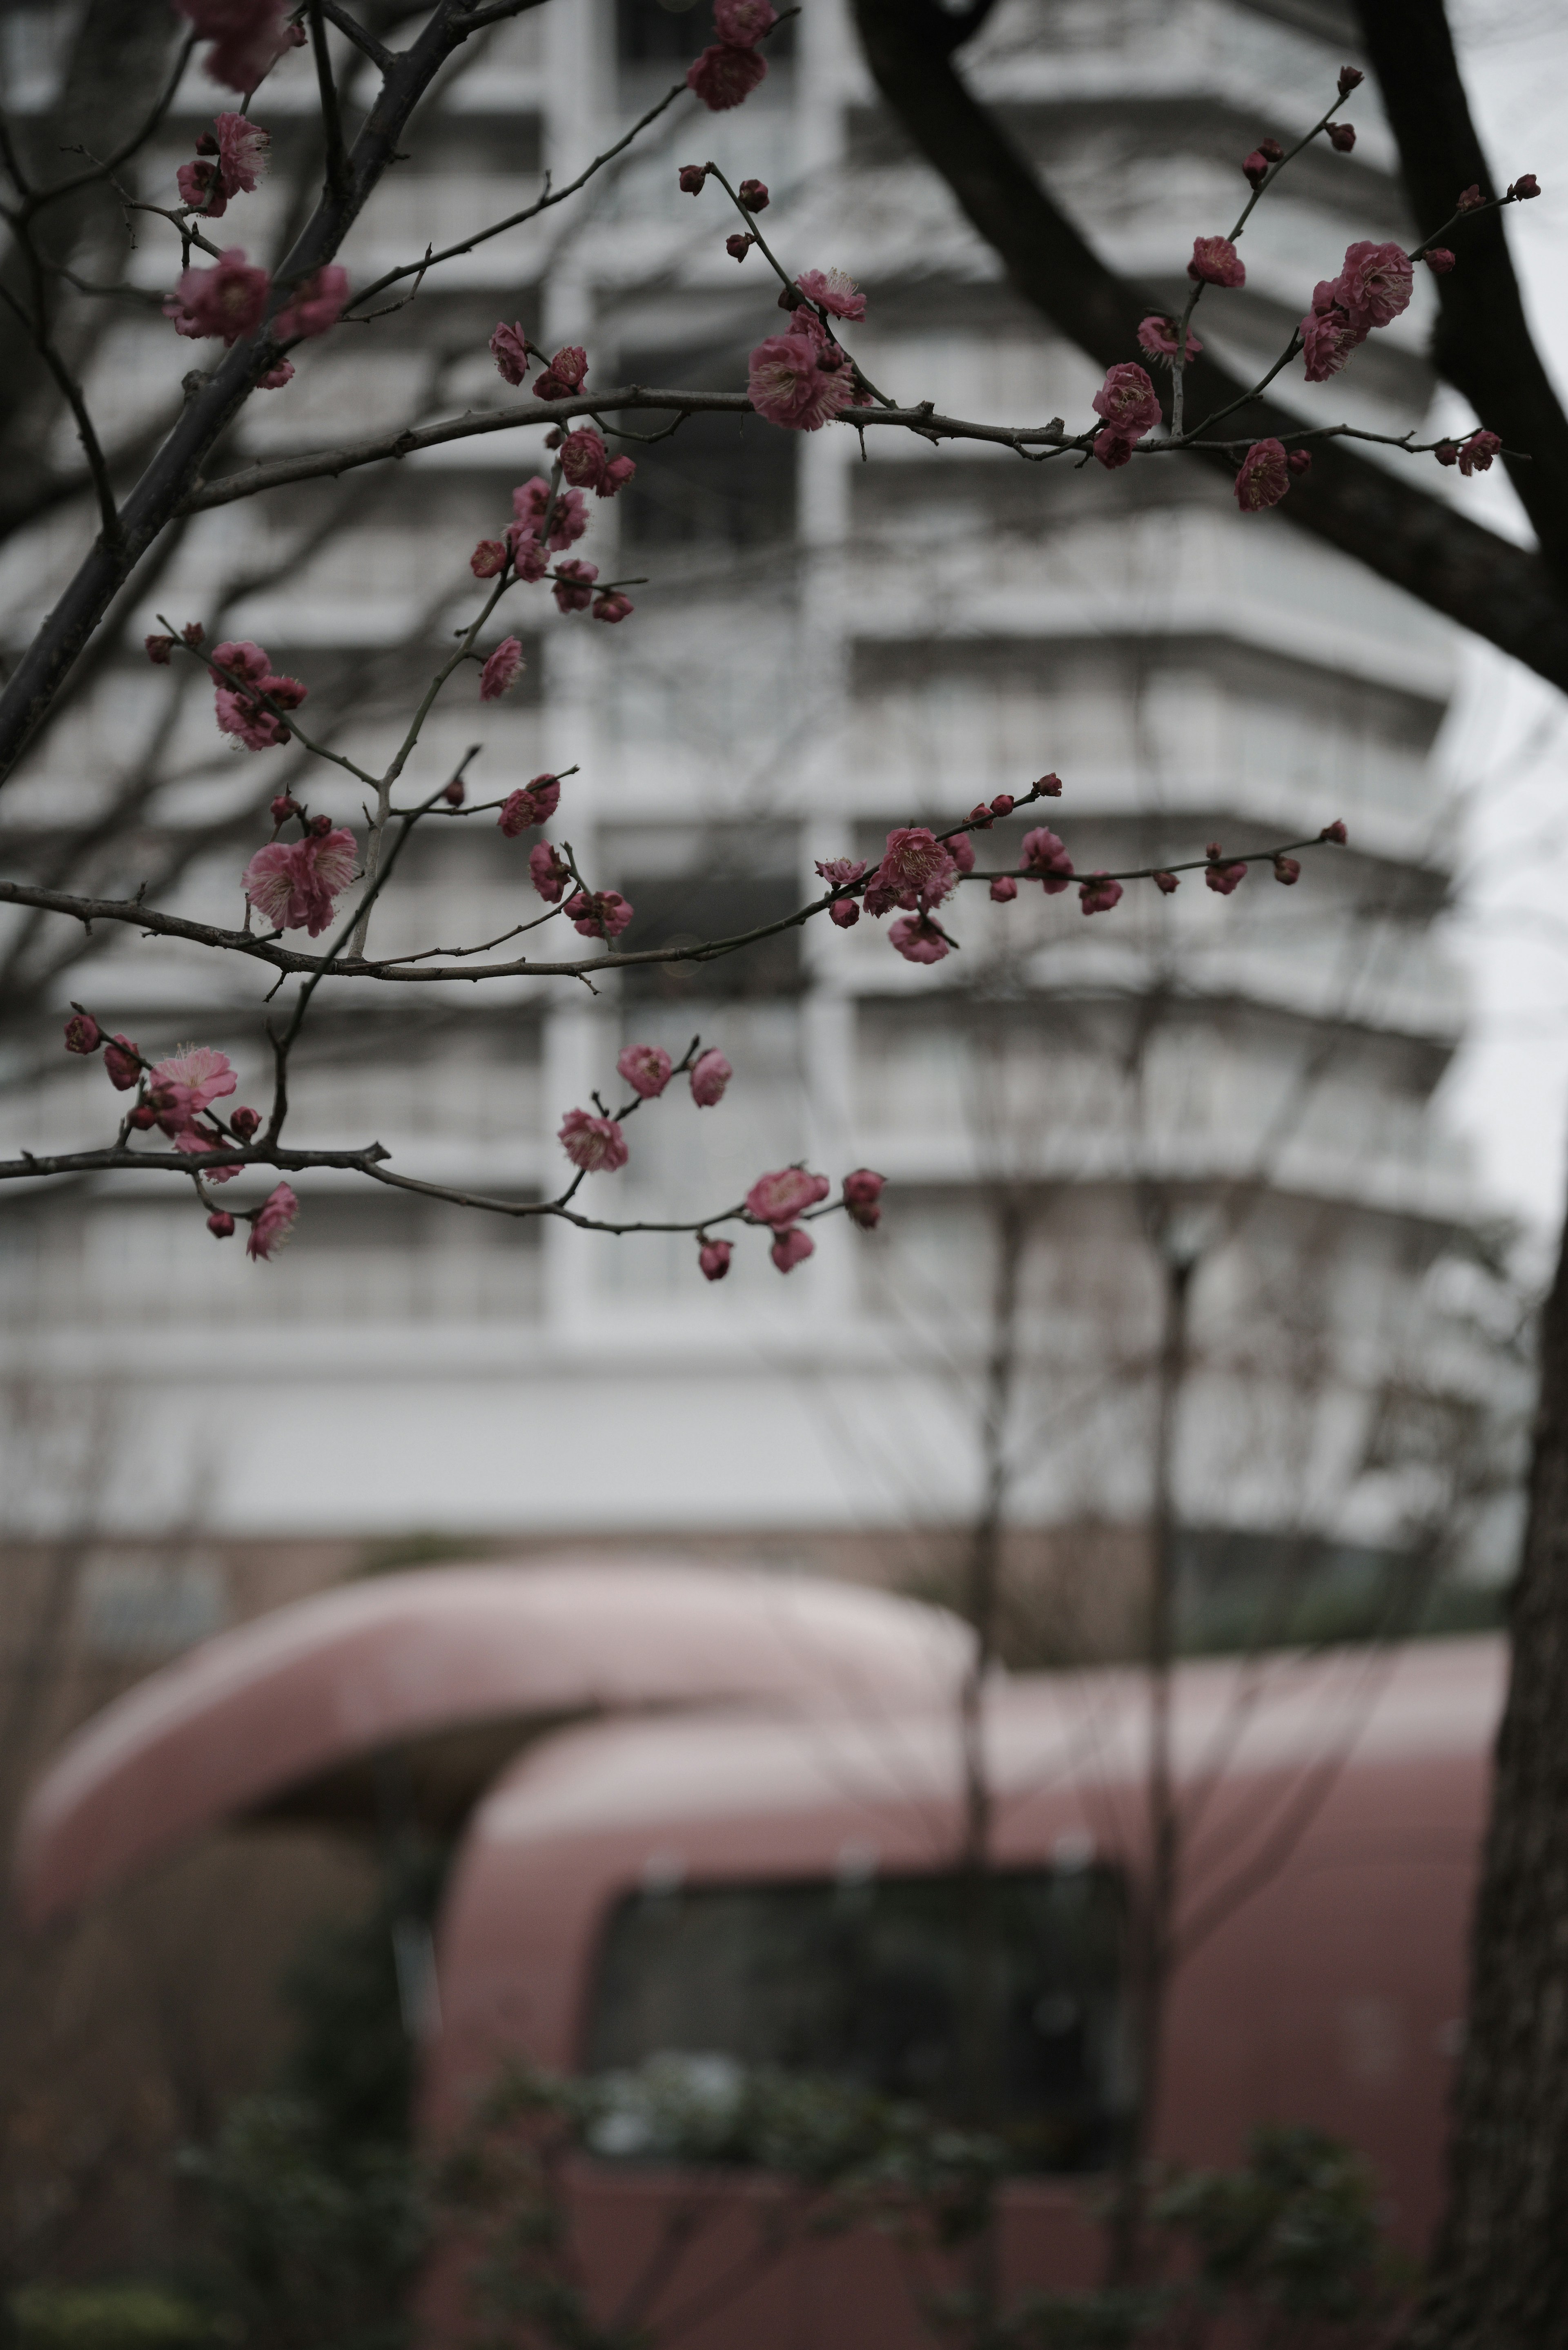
1500	2273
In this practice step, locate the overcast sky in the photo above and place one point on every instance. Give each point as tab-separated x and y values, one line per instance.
1506	748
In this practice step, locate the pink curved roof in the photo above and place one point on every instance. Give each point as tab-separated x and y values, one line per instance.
263	1710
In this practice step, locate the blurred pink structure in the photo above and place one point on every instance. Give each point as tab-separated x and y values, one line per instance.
777	1737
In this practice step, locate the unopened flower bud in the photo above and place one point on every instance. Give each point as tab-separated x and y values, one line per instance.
1048	786
1167	884
1334	831
1469	200
1256	166
844	913
244	1121
455	793
791	298
320	826
739	245
122	1066
142	1117
193	632
1447	453
713	1256
157	650
753	195
1003	804
283	806
1271	151
693	179
552	438
1342	137
980	816
83	1033
1299	462
205	143
221	1224
862	1197
1439	261
710	1073
1350	78
1003	889
1525	188
792	1247
1288	870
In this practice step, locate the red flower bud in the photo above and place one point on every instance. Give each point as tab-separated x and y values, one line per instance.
142	1117
320	826
283	806
693	179
1256	166
1167	884
1003	889
1287	869
739	245
1003	804
1525	188
1299	462
1271	149
1469	200
83	1033
455	793
1048	786
1439	261
123	1065
753	195
221	1224
205	143
1342	137
862	1197
713	1256
1334	831
1350	78
1447	453
193	632
157	650
244	1121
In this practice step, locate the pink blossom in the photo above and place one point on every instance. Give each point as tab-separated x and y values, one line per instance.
221	1224
1003	889
1375	284
584	458
529	560
604	914
317	303
564	375
713	1256
1099	893
1265	476
122	1066
645	1069
1288	869
157	650
791	387
227	300
537	805
1334	831
272	1222
741	24
1128	400
548	871
295	884
618	473
596	1145
1440	260
1216	262
834	291
791	1248
1157	340
862	1197
501	670
243	152
917	938
248	37
572	591
488	559
723	77
1222	878
612	605
1477	452
1167	884
1329	333
567	516
841	870
202	187
276	377
777	1200
710	1073
187	1083
916	867
244	713
844	913
1043	855
83	1033
960	849
509	349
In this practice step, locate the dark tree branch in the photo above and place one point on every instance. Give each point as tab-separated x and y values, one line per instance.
1507	594
1483	345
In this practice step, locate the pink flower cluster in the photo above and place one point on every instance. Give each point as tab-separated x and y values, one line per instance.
248	37
535	805
294	885
231	164
1267	473
599	913
777	1200
588	465
800	379
729	72
1130	406
562	375
241	674
546	524
1372	289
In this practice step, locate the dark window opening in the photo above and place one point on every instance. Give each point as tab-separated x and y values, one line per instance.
682	909
866	1984
725	480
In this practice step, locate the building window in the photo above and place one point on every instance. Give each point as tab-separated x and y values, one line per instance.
864	1981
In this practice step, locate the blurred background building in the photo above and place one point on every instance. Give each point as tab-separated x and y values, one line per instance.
831	642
